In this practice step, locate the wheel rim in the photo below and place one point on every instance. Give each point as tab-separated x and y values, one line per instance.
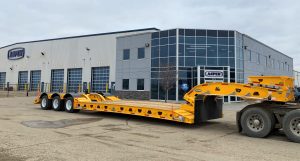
44	102
55	103
69	105
255	122
295	126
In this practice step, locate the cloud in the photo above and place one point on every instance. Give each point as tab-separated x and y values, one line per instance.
273	22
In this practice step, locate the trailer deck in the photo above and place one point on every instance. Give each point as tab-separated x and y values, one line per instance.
161	110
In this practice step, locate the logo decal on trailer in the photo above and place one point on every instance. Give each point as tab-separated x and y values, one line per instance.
16	53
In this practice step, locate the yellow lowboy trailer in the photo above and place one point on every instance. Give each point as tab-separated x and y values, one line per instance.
203	102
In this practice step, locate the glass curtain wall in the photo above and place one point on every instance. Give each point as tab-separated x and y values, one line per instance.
214	48
163	65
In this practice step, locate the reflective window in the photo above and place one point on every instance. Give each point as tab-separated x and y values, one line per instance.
223	51
222	33
181	32
181	39
201	52
182	74
190	50
125	84
164	50
231	51
163	62
172	61
195	47
201	61
172	50
190	40
140	84
231	33
181	50
231	62
190	61
164	41
172	32
172	40
141	53
223	41
155	35
212	40
155	62
154	74
201	32
200	40
223	61
212	51
181	61
212	61
126	54
154	89
190	32
231	41
155	52
212	33
155	42
163	34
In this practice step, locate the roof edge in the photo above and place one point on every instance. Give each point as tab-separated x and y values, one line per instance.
88	35
267	45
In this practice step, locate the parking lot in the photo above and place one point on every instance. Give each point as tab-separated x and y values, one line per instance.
28	133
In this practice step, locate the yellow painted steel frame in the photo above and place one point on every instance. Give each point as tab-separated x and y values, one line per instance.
173	115
96	102
270	88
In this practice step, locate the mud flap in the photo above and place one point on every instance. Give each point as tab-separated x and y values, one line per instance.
207	108
238	122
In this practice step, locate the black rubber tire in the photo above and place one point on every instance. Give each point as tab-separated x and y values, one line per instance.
267	118
286	125
71	109
47	104
60	104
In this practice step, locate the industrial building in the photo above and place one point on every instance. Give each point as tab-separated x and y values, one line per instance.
142	64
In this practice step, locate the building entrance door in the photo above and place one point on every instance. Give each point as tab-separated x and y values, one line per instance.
208	74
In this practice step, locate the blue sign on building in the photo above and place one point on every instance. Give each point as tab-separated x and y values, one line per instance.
185	87
16	53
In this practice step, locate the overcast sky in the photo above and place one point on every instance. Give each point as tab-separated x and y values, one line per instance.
274	22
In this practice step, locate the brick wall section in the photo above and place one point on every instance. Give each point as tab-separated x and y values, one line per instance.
139	95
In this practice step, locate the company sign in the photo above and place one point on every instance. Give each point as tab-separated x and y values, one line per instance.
16	53
213	74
